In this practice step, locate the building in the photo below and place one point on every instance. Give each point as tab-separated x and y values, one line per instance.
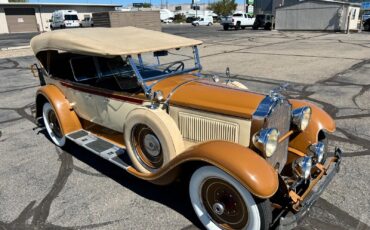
318	15
34	17
269	6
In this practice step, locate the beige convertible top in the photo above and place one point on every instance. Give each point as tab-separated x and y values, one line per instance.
108	41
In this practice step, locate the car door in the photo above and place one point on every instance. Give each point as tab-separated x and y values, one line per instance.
250	20
82	96
115	103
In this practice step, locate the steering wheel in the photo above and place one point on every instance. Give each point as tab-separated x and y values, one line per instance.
173	68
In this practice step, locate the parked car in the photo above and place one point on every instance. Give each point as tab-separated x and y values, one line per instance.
64	19
166	16
366	24
191	19
203	21
237	21
265	21
87	22
251	158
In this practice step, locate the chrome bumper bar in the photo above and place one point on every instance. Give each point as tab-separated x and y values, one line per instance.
290	221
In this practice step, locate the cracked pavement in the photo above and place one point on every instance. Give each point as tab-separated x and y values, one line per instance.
44	187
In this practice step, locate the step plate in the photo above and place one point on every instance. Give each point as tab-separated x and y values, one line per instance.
100	147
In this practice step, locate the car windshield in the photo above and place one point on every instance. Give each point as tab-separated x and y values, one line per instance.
70	17
162	64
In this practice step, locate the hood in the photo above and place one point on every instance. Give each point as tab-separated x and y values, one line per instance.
203	94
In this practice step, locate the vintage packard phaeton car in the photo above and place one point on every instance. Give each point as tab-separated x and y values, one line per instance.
253	160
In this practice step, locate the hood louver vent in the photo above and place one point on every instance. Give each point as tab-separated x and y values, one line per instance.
197	128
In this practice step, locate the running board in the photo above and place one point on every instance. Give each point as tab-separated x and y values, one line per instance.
99	146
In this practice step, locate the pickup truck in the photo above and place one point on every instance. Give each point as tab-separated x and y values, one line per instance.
87	22
237	21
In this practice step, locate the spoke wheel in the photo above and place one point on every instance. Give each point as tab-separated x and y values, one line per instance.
147	146
221	202
52	125
224	204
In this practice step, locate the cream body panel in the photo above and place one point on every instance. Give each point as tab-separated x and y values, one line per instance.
112	113
203	121
77	99
82	103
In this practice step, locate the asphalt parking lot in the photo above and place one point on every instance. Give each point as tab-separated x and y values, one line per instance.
44	187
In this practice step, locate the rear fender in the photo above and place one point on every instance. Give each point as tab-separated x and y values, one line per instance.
320	120
246	166
67	118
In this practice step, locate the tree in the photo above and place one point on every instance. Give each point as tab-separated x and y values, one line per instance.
223	7
147	5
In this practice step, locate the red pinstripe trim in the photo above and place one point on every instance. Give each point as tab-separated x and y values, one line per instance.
101	93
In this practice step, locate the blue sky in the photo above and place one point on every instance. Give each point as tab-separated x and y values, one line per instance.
126	2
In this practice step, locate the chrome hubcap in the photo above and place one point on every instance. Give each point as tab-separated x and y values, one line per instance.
152	145
218	208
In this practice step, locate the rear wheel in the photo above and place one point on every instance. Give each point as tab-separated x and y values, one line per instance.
267	26
366	27
221	202
237	26
243	27
52	125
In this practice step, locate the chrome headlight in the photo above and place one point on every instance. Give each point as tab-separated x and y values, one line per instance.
266	140
302	167
318	151
301	117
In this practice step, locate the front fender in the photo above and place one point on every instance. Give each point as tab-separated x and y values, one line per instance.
67	118
246	166
320	120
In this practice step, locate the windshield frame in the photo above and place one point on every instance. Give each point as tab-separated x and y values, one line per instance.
143	81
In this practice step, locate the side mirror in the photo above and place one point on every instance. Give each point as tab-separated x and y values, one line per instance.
156	98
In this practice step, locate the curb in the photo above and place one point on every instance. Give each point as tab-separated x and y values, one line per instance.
15	48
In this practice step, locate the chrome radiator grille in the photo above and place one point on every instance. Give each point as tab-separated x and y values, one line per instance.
279	118
198	128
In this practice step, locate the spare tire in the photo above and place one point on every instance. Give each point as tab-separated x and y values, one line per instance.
152	139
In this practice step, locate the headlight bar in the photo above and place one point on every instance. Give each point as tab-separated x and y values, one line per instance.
266	140
301	117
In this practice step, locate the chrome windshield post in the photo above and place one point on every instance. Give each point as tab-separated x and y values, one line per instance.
140	79
140	60
196	58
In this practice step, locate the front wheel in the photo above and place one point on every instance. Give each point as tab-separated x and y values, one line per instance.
221	202
366	27
226	27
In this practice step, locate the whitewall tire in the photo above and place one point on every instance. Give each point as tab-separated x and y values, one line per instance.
52	125
221	202
152	139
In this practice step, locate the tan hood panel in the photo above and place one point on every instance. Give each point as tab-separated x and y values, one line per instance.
209	96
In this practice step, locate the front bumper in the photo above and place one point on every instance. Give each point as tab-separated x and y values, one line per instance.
290	221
